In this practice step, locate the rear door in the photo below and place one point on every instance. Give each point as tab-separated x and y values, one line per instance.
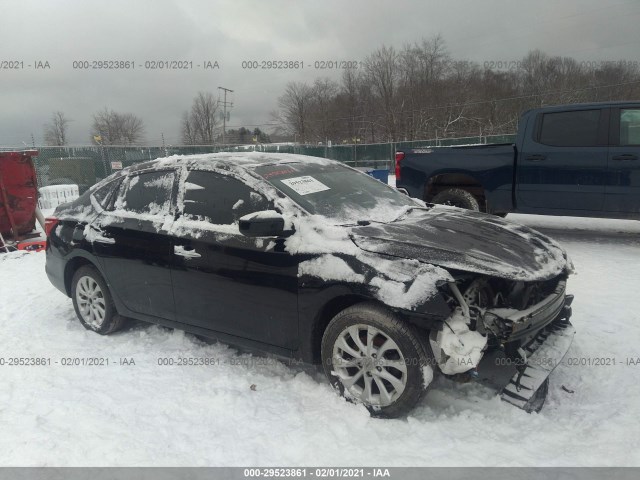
131	239
563	163
224	281
623	185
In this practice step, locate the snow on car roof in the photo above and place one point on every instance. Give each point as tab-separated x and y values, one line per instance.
246	160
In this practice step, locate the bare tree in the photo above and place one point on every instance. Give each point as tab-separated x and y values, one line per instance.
324	93
55	132
383	72
350	101
420	92
295	105
200	123
423	68
113	128
187	130
132	128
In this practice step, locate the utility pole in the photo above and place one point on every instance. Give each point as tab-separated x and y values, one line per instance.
224	115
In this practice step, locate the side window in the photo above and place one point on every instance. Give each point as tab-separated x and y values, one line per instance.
570	129
104	194
219	199
148	193
630	126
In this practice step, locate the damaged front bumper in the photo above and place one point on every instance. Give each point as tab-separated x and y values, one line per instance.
511	324
545	352
521	381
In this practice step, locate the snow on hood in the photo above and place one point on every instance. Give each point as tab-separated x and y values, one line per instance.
398	282
459	239
411	256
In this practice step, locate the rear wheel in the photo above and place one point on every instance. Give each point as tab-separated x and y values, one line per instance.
457	197
93	303
372	357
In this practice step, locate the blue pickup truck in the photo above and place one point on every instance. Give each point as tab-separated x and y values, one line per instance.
576	160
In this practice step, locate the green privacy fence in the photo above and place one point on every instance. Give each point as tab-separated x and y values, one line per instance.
86	165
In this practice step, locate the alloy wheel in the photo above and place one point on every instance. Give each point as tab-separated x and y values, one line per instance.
91	301
370	365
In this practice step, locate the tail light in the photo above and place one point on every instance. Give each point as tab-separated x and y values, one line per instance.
49	224
399	158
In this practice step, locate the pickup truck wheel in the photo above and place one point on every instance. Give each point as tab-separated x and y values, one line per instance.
372	357
93	303
457	197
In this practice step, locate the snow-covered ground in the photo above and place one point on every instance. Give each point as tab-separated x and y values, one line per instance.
149	414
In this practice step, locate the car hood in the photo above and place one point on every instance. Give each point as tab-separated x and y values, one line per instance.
458	239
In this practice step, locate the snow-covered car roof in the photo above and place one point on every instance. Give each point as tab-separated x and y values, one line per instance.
231	160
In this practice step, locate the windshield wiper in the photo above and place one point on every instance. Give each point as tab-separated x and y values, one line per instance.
409	210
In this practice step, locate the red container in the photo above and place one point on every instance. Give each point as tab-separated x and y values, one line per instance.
18	193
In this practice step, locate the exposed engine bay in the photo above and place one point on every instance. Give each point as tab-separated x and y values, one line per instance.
489	313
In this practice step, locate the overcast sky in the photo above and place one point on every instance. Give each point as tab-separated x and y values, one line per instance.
230	32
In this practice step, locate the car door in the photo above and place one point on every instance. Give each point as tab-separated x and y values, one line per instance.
132	241
226	282
623	185
563	163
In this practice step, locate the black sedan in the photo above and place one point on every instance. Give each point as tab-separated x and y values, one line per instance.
305	258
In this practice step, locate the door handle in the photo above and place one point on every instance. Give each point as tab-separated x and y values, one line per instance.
535	158
185	252
625	156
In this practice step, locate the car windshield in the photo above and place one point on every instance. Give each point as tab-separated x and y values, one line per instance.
336	192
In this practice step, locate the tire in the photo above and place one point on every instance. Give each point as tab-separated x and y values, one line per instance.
93	303
457	197
369	321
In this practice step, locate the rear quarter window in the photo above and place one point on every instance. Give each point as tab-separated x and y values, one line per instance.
104	193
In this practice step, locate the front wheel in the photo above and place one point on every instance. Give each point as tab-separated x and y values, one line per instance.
93	303
372	357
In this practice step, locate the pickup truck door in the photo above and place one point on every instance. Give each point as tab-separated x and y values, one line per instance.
562	165
622	193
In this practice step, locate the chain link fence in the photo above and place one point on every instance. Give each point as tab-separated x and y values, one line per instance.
86	165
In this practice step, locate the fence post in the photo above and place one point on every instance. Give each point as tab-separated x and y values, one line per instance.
355	155
393	156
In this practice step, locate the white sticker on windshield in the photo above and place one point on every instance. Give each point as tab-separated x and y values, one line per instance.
305	185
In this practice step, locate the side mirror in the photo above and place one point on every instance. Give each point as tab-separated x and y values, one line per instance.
267	223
